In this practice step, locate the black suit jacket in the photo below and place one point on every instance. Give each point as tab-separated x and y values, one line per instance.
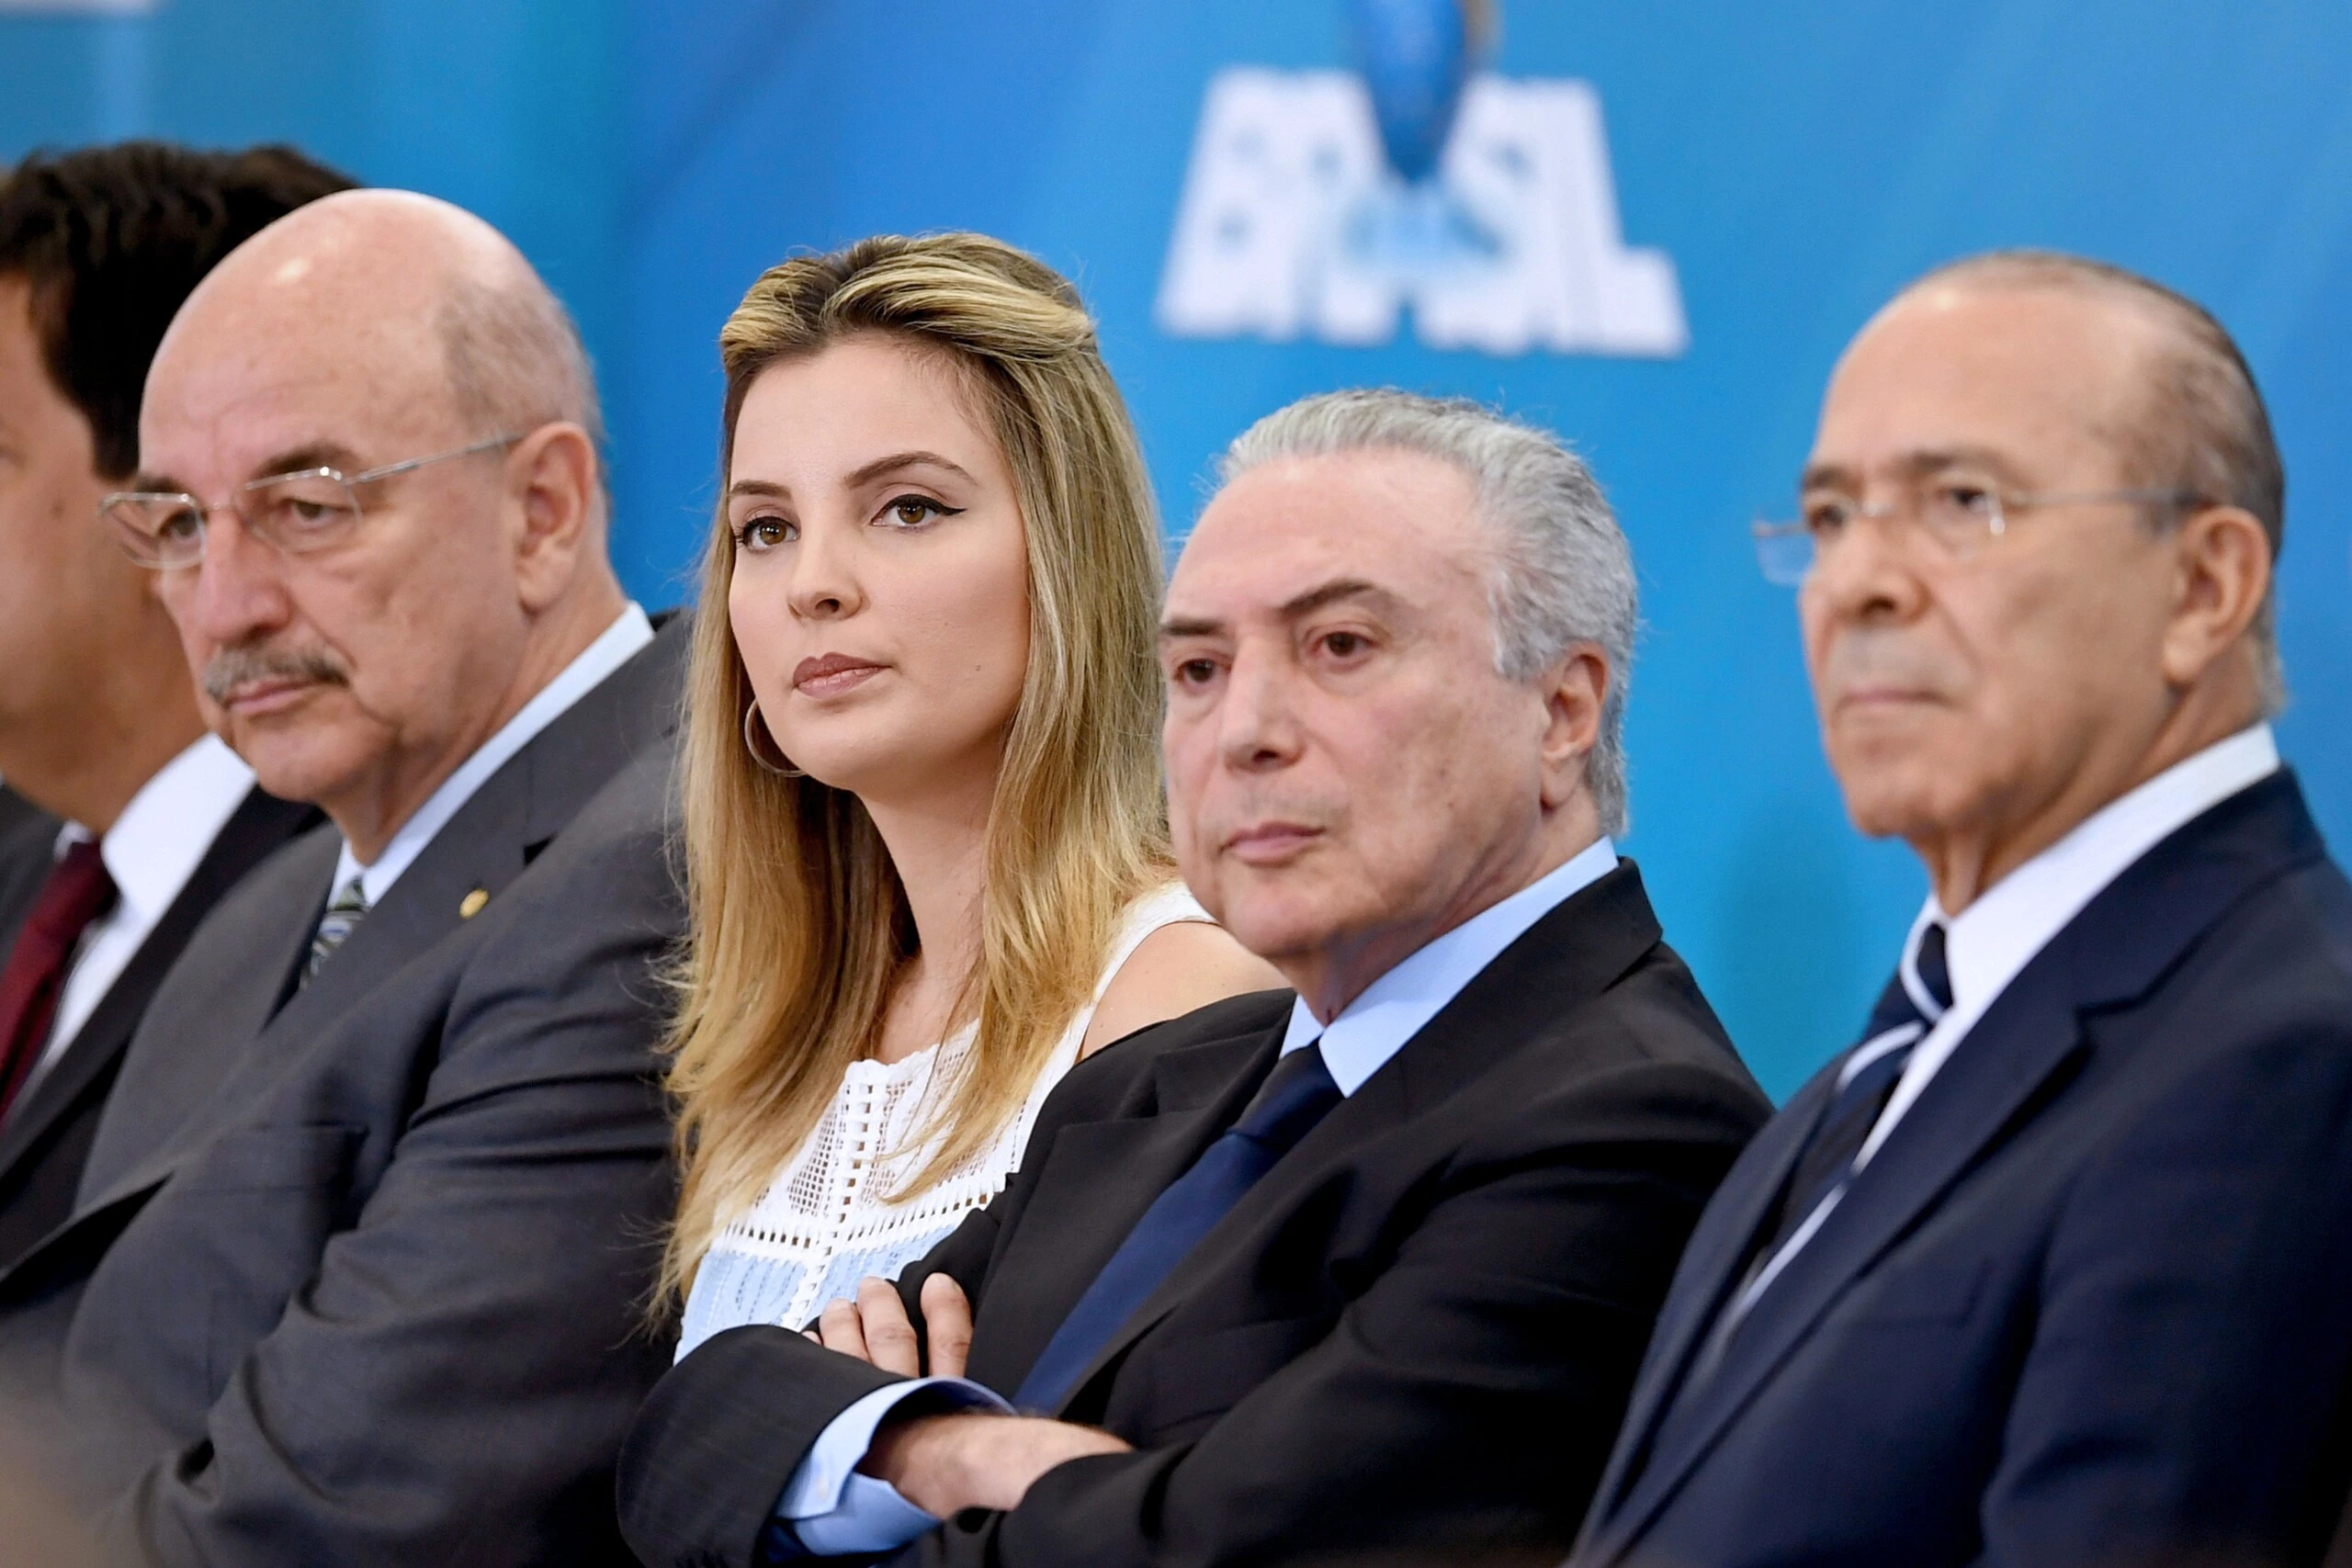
1416	1333
2091	1302
46	1138
15	811
357	1278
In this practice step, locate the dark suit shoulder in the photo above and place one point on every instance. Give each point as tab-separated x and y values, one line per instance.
1644	1064
27	838
15	810
1656	1012
2289	946
1117	1078
632	817
27	849
2251	1029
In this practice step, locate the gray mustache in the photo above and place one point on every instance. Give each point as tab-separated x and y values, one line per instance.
235	667
1858	658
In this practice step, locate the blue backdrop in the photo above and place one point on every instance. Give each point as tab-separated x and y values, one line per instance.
1768	175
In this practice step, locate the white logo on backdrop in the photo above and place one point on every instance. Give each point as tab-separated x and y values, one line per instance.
1293	225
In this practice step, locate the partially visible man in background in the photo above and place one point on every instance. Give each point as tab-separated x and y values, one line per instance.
142	819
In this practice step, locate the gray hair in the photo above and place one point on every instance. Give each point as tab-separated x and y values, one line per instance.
516	360
1563	573
2200	426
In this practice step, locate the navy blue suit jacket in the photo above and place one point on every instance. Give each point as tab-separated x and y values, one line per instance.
2090	1303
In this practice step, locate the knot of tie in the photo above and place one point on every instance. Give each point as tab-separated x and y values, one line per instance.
343	913
1920	994
79	889
1294	1097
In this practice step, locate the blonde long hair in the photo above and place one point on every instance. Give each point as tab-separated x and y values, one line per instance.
798	918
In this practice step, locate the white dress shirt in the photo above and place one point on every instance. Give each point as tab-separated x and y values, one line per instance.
1988	943
613	648
834	1510
151	852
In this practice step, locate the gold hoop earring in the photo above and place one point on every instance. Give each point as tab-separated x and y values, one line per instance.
782	767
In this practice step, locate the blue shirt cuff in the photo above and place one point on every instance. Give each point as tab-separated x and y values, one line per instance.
833	1510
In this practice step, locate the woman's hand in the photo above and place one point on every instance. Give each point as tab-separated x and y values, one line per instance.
875	1328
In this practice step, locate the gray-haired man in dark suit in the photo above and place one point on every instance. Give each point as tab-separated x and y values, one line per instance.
355	1269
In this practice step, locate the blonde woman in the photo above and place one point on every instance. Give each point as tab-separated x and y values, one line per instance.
926	844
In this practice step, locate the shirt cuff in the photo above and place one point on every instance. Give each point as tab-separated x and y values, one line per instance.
831	1508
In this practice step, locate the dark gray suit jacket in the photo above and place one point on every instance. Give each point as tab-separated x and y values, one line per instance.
356	1271
47	1136
15	811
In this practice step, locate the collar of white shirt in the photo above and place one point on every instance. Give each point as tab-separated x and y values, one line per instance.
1988	943
1393	1009
153	848
611	650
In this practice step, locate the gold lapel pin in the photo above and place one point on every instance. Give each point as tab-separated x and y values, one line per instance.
471	904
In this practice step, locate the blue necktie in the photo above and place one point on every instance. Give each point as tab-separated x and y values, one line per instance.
1294	1097
1920	994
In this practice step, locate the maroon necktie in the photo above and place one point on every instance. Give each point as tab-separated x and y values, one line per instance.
77	892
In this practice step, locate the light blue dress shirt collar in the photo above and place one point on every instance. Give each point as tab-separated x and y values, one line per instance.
833	1510
1394	1007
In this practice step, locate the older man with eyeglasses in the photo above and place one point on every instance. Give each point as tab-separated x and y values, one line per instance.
2053	1266
356	1268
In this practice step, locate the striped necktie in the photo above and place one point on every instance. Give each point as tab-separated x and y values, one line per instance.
345	911
1920	994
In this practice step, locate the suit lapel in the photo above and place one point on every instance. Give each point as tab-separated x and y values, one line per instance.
478	848
2012	1062
1565	959
170	1100
261	825
493	837
1968	1110
1099	1179
1234	1238
1711	1263
485	845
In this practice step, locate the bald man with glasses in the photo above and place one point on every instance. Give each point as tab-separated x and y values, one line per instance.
355	1271
2052	1266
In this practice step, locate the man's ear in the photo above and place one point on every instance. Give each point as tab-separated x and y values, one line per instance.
2222	567
1575	690
553	480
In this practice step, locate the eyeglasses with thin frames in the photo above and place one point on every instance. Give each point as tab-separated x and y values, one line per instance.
296	515
1959	517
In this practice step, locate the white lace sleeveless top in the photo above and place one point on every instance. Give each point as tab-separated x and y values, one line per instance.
824	1222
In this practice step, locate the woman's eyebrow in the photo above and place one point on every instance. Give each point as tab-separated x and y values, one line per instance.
898	460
